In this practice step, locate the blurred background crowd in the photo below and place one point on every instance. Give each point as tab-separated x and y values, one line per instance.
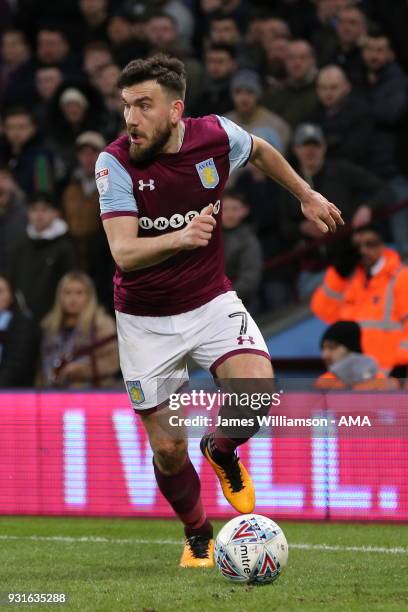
324	81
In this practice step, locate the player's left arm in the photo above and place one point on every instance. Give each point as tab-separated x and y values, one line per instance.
315	207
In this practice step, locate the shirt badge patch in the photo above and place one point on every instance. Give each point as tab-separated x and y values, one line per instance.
135	391
102	180
207	171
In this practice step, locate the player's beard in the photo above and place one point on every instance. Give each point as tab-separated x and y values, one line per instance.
146	154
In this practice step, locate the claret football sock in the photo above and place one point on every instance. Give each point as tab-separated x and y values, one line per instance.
182	491
206	530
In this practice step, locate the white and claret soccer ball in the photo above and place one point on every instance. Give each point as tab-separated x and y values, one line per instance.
251	548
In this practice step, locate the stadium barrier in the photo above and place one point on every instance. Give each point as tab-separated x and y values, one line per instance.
87	454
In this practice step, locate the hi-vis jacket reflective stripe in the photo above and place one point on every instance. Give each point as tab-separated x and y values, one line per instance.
379	382
378	304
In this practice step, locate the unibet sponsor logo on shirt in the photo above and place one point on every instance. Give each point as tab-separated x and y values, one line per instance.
175	221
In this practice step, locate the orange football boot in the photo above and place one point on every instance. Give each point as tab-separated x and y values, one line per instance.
236	483
198	552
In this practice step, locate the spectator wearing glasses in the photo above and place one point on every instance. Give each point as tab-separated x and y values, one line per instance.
372	290
358	191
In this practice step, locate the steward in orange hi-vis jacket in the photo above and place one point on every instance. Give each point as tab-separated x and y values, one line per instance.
375	295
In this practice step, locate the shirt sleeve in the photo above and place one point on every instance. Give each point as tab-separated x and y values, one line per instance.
240	143
115	187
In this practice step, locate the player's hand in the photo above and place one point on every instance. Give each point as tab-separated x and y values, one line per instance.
323	213
199	231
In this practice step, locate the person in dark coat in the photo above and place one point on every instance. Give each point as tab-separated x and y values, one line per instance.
215	95
53	48
19	341
24	152
163	37
92	23
297	98
243	254
351	29
126	35
344	117
391	21
339	180
47	81
357	191
388	101
43	257
16	69
13	218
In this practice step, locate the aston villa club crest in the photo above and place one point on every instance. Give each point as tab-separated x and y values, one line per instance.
135	391
207	171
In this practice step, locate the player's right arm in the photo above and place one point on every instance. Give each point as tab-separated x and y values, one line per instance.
120	219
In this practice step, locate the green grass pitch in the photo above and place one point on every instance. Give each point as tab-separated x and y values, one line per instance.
132	565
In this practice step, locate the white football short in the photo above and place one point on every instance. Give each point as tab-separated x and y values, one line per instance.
153	350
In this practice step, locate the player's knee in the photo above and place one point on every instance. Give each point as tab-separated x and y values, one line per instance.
170	455
261	368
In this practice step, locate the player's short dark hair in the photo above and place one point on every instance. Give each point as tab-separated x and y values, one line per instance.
169	72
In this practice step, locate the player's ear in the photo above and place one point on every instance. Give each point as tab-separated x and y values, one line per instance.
177	110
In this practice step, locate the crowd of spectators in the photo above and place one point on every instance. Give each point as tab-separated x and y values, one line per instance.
324	81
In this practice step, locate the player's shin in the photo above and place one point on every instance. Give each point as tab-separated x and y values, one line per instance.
183	492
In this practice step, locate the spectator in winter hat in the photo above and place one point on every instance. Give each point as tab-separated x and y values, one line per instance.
346	365
246	89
